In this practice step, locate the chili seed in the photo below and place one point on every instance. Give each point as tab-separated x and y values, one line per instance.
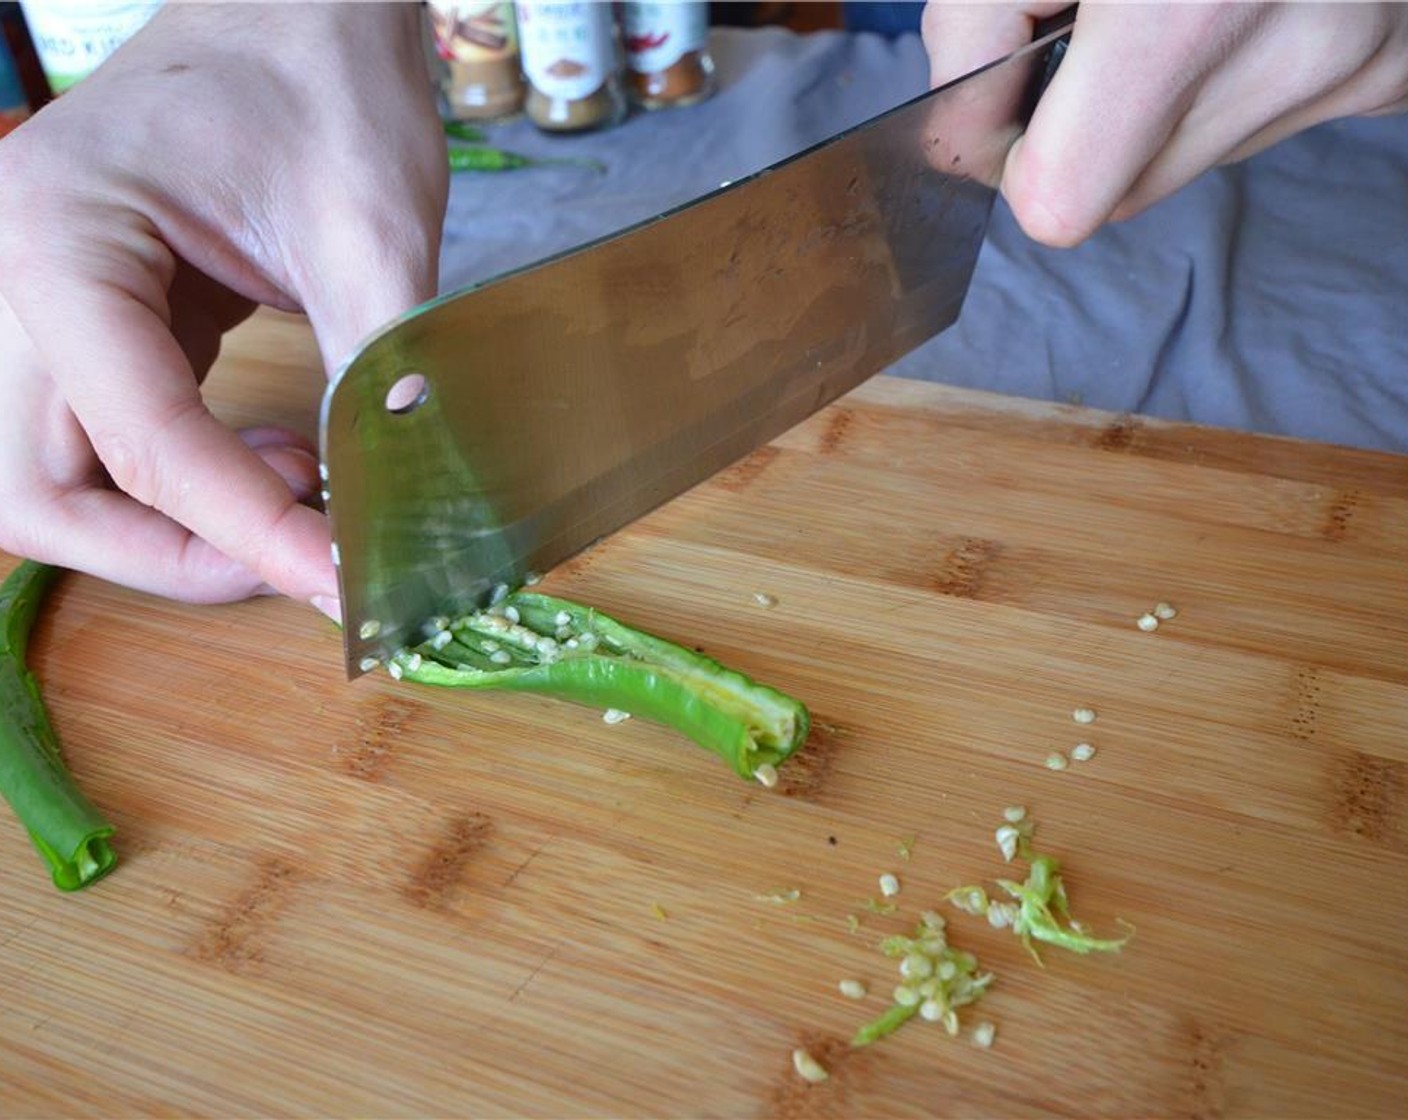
852	989
1007	837
1055	761
807	1067
889	885
766	773
369	630
1147	622
1165	611
983	1035
1082	752
1084	715
916	966
615	715
367	664
1015	814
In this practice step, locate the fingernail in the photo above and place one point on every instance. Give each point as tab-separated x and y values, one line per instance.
330	605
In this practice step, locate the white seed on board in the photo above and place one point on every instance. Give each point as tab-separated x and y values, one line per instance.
807	1067
906	996
1082	752
889	885
1055	761
615	715
369	630
1007	838
983	1034
763	599
1165	611
766	773
1084	715
367	664
1015	814
852	989
1002	914
916	966
1147	622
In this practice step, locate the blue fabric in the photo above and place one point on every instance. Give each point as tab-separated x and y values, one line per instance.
881	17
1270	296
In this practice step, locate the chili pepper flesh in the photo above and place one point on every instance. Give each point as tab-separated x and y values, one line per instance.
68	831
564	649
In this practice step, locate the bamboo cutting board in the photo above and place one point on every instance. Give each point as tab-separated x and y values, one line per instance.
375	899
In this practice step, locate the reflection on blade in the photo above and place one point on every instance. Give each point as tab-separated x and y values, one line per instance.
566	399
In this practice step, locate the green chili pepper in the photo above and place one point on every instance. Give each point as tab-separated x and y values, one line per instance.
461	131
69	832
480	158
535	643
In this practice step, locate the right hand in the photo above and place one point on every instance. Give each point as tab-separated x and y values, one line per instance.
227	156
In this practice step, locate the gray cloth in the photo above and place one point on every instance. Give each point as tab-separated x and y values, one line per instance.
1270	296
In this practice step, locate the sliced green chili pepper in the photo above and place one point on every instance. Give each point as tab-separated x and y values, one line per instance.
68	831
1042	908
480	158
535	643
888	1022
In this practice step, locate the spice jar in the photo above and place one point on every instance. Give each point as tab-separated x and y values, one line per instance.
478	42
667	53
572	63
74	37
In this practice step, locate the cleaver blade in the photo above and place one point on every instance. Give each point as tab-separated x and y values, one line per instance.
498	430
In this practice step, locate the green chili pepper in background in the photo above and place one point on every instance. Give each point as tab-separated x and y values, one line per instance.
535	643
69	832
461	131
480	158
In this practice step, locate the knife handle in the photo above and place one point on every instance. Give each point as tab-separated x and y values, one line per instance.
1063	21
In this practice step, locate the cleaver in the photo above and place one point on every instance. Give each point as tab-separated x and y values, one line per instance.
496	431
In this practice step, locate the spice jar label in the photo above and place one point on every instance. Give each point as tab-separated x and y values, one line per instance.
466	31
569	50
74	37
659	35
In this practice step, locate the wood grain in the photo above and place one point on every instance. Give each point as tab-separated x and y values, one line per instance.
371	899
